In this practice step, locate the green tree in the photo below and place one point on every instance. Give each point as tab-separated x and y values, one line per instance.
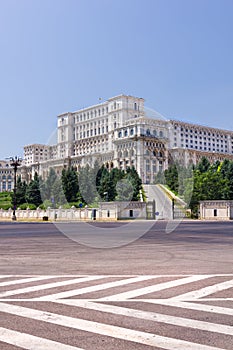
21	188
33	195
105	189
160	178
226	169
171	177
49	183
125	190
136	182
87	184
70	184
203	165
57	193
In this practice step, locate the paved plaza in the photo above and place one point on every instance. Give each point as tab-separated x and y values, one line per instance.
162	291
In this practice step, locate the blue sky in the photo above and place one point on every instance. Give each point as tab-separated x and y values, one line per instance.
62	55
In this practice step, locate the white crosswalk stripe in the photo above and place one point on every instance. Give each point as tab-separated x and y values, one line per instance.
155	288
205	291
104	286
101	306
29	342
48	286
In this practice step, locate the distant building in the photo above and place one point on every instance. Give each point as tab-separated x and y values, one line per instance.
116	133
190	142
7	175
121	132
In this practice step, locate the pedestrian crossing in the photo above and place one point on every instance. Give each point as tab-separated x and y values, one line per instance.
67	312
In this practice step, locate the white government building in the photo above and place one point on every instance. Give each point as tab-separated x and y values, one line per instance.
121	132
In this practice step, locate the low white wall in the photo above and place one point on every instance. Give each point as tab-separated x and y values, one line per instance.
57	214
107	211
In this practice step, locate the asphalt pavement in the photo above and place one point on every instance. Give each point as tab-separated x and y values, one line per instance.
116	286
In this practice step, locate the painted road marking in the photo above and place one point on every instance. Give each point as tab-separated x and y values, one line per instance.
49	285
25	280
154	288
192	306
96	288
29	342
105	329
203	292
151	316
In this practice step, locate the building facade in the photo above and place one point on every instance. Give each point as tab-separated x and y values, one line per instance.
190	142
116	133
121	133
7	175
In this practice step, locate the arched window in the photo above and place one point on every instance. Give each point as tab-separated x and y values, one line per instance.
119	134
161	134
131	131
148	132
154	132
126	133
135	106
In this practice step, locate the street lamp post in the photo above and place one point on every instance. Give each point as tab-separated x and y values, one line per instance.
15	163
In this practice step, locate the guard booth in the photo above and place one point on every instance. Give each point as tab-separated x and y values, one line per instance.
216	210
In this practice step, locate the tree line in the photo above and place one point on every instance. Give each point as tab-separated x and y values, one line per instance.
205	181
88	186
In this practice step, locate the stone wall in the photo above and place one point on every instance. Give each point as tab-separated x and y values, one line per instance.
108	211
216	210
